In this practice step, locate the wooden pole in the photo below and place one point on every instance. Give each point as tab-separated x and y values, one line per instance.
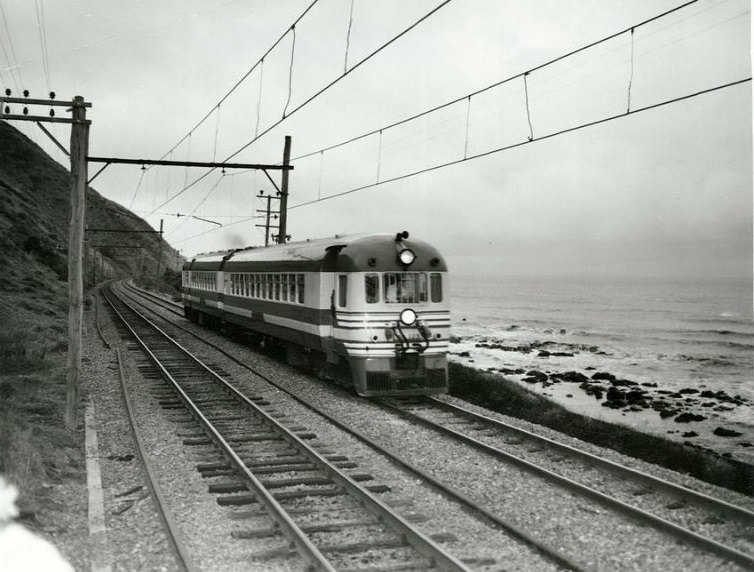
159	260
283	227
79	152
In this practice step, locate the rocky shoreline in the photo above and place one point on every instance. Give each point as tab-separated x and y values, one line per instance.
698	417
494	392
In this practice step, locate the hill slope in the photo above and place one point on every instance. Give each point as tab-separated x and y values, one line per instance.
36	452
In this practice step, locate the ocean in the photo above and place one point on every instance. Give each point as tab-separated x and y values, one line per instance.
667	336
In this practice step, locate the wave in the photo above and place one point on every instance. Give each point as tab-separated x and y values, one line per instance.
717	361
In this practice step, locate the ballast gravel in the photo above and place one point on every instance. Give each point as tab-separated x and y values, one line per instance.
588	532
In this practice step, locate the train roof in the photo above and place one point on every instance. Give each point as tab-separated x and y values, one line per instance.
351	253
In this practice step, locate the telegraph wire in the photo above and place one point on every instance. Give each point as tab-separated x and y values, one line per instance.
310	99
494	85
10	57
39	8
497	150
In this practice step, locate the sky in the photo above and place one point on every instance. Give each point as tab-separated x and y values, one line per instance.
665	191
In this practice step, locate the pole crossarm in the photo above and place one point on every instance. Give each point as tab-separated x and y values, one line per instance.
47	102
114	246
115	160
43	118
122	230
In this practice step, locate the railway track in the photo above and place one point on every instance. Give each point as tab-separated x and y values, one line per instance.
314	502
715	525
698	520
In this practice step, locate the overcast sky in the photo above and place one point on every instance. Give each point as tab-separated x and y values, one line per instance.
667	191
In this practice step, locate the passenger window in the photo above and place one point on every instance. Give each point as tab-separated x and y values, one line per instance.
435	282
372	288
342	290
300	287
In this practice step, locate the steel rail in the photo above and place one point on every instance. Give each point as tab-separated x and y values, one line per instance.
97	322
682	533
416	539
305	547
545	549
163	508
683	492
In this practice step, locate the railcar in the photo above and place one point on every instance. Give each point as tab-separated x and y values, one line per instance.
375	306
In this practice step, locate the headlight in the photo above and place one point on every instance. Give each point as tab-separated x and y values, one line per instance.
408	317
406	256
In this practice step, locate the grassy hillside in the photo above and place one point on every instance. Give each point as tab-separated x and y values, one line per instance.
36	452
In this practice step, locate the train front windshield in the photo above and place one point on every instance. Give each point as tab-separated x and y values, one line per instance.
403	287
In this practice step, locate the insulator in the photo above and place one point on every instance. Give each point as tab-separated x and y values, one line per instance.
52	113
26	93
7	91
52	95
26	111
7	109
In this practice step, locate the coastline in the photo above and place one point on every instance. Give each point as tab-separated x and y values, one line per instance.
698	416
496	392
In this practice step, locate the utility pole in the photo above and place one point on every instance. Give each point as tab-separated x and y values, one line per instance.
159	260
79	152
282	237
269	213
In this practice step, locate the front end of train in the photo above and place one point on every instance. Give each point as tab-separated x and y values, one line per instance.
391	315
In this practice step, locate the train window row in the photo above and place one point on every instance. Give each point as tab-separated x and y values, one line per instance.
281	287
403	287
200	280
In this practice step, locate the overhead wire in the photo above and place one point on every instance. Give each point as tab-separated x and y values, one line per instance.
312	98
530	140
39	9
10	52
348	38
235	86
492	85
498	150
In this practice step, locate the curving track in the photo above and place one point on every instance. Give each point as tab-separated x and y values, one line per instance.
311	501
693	517
699	521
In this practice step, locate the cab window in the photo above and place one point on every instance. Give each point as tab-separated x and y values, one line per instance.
342	290
435	286
404	287
372	288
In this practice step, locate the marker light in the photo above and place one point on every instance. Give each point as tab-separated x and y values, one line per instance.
408	317
406	256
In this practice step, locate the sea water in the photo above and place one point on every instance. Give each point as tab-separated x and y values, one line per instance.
675	333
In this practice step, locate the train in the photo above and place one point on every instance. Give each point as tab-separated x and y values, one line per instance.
368	310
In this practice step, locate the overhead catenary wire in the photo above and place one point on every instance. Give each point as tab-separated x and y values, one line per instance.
493	85
243	78
488	153
530	140
348	38
290	70
310	99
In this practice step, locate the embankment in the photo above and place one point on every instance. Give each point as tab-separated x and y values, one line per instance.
495	392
